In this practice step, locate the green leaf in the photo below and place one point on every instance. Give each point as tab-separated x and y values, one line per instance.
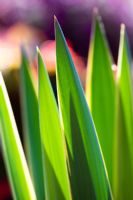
31	127
18	173
100	91
87	171
123	180
56	175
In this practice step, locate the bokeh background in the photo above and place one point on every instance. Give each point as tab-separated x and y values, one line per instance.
30	22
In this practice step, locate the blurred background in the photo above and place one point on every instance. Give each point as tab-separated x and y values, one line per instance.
30	22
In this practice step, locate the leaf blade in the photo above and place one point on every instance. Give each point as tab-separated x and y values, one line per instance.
123	180
20	180
71	98
31	130
100	91
56	175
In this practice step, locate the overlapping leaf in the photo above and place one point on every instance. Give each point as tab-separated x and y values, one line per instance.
31	127
19	177
123	180
100	91
87	171
56	175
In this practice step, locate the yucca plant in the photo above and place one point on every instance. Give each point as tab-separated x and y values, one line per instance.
81	146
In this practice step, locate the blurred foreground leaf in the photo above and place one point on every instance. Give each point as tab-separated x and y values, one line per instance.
31	127
18	173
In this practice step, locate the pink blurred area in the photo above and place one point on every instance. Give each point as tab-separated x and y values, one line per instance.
12	38
48	51
75	18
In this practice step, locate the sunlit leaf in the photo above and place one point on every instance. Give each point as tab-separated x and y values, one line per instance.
31	127
87	171
123	180
18	173
100	91
56	175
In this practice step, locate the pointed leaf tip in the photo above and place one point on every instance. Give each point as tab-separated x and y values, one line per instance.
40	60
38	52
57	26
23	52
56	23
55	19
96	15
95	11
123	28
37	49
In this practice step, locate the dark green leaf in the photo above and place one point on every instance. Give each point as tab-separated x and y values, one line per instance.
31	127
87	171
